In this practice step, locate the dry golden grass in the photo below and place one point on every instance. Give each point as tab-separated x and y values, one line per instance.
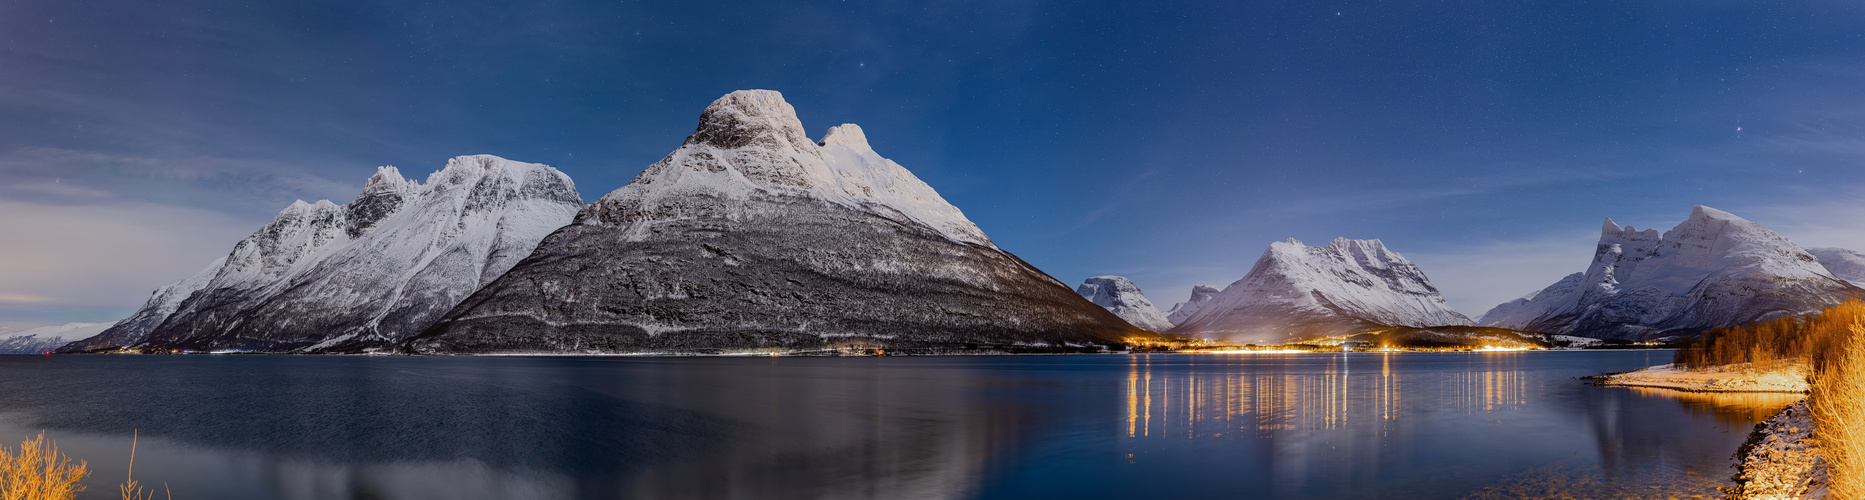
39	472
1838	408
132	490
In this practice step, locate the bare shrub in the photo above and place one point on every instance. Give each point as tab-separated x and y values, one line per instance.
39	472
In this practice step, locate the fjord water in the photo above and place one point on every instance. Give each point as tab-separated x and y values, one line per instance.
1318	425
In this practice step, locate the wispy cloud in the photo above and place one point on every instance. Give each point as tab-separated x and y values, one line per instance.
1479	277
248	186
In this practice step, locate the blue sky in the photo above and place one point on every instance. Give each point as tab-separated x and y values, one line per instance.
1170	142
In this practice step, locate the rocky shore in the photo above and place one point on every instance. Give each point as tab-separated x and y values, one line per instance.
1781	459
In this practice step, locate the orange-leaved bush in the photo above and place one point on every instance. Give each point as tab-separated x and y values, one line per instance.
39	472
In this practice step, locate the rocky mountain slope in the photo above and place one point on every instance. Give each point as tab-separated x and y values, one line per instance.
48	338
328	277
751	236
1714	269
1119	295
1297	292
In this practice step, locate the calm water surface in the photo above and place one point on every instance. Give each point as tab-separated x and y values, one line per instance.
1336	425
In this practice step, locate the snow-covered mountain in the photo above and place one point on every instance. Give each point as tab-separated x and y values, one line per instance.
372	272
1844	264
48	338
750	235
1201	295
1714	269
1297	292
1120	296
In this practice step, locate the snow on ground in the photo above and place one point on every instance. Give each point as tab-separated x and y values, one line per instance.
1778	376
1781	459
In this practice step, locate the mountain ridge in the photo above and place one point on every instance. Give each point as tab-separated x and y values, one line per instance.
1714	269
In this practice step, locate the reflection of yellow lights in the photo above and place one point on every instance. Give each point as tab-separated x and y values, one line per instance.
1196	402
1738	408
1248	351
1204	404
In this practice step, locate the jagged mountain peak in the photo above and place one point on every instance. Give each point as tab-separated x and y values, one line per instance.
1613	230
388	178
1368	254
750	146
492	175
847	135
750	118
1201	295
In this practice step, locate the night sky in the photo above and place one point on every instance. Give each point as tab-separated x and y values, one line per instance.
1169	142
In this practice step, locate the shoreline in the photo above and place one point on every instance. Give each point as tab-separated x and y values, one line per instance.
1781	459
1788	377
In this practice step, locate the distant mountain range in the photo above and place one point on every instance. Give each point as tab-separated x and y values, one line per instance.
751	237
46	339
1714	269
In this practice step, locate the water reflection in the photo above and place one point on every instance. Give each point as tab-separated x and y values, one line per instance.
1741	408
1274	395
1337	425
1488	423
309	428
